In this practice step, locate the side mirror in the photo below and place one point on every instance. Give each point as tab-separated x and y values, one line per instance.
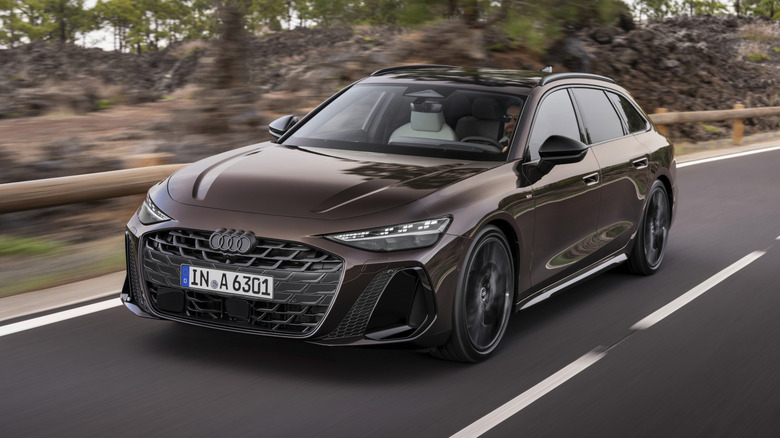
280	126
558	149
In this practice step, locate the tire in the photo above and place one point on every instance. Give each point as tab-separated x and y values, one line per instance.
483	299
651	238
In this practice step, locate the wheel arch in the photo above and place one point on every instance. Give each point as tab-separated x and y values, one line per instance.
515	243
670	193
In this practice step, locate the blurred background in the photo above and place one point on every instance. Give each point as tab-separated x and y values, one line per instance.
94	86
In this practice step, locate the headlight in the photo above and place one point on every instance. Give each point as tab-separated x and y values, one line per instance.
150	214
396	237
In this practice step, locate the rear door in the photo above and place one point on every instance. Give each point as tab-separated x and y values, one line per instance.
610	120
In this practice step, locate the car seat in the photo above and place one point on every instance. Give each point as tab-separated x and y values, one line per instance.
426	121
484	121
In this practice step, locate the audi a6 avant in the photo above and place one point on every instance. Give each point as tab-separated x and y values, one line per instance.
420	205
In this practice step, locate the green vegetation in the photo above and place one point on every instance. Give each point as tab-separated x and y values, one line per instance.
149	25
103	104
710	128
664	8
758	37
15	246
757	57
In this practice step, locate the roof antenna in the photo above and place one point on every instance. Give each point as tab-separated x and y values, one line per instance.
547	69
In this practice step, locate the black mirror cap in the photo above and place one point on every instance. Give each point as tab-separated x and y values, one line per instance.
280	126
558	149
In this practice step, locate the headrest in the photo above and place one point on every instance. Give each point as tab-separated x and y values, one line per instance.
425	106
486	108
427	121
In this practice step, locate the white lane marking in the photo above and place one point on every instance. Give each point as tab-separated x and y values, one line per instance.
520	402
59	316
692	294
726	157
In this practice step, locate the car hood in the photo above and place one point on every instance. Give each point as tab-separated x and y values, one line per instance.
314	183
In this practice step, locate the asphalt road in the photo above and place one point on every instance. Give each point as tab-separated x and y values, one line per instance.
710	369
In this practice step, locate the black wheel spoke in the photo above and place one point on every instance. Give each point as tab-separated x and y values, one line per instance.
656	227
486	296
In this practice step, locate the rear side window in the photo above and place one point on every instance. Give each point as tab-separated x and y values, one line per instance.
555	117
636	122
601	121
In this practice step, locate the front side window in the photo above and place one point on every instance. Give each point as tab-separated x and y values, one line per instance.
414	119
601	121
555	117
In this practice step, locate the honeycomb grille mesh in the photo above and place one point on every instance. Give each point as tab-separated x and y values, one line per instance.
305	282
356	321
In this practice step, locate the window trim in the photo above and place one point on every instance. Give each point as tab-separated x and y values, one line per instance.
623	122
527	152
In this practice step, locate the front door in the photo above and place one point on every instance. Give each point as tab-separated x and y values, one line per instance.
566	199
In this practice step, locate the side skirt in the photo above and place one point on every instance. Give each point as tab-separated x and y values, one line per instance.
567	282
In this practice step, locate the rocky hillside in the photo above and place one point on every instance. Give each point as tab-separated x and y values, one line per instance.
693	64
682	63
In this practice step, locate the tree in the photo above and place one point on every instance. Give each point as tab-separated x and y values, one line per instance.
705	6
69	18
28	21
766	8
656	8
7	35
537	23
264	15
379	12
121	16
48	20
199	21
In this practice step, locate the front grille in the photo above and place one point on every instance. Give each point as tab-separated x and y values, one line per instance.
305	282
268	254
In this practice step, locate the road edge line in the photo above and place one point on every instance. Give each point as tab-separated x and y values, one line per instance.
523	400
676	304
726	157
59	316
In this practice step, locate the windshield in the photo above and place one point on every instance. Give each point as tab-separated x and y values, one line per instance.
415	119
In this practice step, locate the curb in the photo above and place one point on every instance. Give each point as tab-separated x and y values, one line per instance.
57	297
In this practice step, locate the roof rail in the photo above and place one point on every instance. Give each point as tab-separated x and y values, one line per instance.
573	75
383	71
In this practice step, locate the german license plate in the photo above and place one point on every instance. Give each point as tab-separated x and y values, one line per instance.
236	283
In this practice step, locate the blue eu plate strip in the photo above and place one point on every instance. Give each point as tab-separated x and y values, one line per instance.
185	276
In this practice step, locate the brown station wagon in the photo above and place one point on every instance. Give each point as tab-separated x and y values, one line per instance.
420	205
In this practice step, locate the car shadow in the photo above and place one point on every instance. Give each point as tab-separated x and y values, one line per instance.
375	365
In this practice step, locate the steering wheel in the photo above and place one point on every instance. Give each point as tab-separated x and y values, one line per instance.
487	141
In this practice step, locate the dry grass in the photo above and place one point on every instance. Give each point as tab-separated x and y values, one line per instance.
759	39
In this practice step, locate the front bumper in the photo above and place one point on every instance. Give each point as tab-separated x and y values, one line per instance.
347	302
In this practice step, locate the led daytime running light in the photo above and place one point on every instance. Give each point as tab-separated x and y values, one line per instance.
396	237
150	213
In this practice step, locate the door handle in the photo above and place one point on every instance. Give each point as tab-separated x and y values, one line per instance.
640	163
591	179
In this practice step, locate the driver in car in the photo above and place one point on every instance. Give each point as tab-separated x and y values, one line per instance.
510	122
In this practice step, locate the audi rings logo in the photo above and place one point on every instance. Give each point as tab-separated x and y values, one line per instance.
232	241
